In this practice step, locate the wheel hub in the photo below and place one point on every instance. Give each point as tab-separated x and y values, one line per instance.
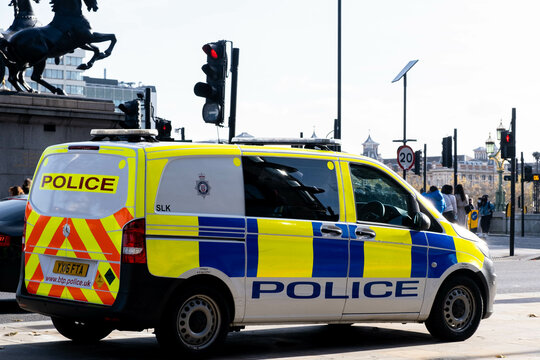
198	321
458	308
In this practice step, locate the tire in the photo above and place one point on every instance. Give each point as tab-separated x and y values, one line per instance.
457	310
81	332
196	324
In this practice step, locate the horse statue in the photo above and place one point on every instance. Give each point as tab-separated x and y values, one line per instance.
24	18
67	31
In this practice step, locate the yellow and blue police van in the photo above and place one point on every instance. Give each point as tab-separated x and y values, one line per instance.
195	240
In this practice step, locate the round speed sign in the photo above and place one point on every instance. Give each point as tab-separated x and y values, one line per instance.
405	157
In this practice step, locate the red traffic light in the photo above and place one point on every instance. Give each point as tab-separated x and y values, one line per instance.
210	50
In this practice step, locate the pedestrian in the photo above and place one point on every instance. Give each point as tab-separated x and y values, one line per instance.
451	206
15	191
436	197
27	184
486	211
462	202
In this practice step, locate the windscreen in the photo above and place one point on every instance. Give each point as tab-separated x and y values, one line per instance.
80	185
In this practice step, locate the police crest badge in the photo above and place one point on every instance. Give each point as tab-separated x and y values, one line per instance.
202	186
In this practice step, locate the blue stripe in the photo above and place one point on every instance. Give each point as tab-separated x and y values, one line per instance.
215	229
419	254
226	257
329	257
441	241
357	258
443	258
442	252
252	226
216	234
252	246
222	222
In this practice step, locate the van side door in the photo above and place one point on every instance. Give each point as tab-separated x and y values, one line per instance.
297	241
388	258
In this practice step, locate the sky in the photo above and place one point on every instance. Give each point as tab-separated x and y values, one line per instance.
478	59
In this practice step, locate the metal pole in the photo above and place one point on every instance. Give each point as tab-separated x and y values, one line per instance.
147	108
425	167
338	127
522	197
405	117
455	158
234	87
513	188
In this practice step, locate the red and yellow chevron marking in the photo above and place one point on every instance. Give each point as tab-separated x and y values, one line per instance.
90	239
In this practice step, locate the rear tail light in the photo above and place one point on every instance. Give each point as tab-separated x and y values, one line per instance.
5	240
134	242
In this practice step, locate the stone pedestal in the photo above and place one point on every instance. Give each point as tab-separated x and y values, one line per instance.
31	122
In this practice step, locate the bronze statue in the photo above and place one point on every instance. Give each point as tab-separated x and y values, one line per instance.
24	18
68	30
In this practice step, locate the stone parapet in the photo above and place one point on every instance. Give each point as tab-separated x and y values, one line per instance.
31	122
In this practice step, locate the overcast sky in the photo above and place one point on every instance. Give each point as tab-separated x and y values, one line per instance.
478	59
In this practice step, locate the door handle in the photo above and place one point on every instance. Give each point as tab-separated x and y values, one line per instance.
331	230
365	233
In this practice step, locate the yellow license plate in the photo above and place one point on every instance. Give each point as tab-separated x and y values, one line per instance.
70	268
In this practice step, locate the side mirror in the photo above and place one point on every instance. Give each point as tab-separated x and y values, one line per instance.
421	221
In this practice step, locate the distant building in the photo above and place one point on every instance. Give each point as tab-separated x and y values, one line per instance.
477	170
371	149
119	92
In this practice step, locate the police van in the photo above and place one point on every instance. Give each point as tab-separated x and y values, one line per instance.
194	240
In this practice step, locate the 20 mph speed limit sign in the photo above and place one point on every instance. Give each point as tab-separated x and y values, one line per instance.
405	157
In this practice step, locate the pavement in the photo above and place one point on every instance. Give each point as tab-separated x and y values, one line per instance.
512	332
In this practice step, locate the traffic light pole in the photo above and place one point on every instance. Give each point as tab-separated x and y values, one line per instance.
234	86
513	188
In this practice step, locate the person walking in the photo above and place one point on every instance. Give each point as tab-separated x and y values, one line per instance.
451	206
486	209
435	196
462	202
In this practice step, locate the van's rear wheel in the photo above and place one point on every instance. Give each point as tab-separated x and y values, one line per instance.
81	332
196	324
457	310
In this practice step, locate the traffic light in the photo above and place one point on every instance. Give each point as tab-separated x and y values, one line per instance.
132	111
508	145
527	173
164	128
417	162
447	152
214	88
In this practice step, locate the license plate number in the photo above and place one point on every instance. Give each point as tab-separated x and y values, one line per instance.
70	268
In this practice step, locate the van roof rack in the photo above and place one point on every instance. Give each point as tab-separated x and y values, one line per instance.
307	143
131	135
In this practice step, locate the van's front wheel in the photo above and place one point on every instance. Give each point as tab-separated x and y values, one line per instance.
196	324
457	310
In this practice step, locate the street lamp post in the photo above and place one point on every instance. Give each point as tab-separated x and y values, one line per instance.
496	157
403	74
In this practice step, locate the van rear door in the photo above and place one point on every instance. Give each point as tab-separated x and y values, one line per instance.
81	198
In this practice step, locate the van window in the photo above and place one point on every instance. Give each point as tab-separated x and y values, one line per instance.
378	198
201	185
290	188
76	185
